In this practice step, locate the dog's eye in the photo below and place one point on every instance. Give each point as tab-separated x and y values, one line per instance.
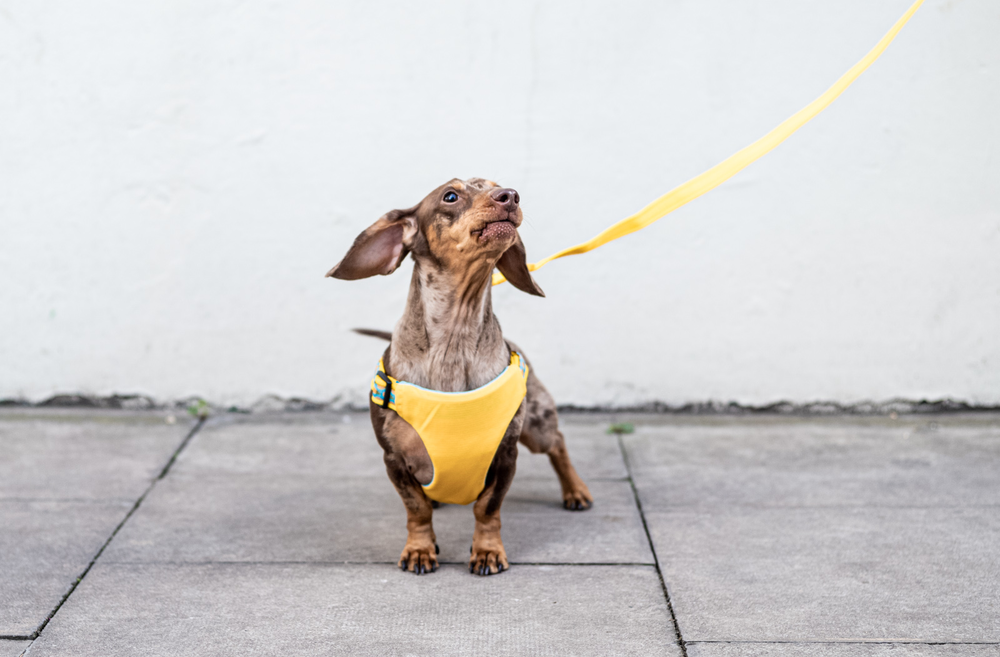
450	197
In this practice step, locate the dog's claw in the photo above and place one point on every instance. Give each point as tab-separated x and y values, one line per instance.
488	561
437	549
578	502
419	560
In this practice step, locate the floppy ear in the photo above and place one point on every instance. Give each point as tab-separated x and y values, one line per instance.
380	249
514	266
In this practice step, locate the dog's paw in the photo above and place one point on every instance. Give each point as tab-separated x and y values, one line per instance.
419	559
488	560
578	498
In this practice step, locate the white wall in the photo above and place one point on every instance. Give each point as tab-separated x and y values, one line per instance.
177	176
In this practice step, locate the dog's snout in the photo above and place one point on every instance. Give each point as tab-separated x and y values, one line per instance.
506	198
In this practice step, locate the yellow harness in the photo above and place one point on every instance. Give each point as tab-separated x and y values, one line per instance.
461	430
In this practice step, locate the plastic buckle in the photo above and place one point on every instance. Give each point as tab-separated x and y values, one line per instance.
388	388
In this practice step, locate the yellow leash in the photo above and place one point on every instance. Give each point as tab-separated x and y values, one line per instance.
729	167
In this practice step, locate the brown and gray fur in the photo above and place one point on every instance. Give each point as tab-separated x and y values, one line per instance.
449	339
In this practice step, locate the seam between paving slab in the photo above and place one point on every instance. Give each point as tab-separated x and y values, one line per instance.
835	642
764	507
652	549
100	551
589	564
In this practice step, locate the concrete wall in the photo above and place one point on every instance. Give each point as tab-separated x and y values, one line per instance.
177	176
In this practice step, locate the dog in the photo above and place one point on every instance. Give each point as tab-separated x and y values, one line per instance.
449	340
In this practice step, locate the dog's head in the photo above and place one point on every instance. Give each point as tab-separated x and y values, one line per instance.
465	226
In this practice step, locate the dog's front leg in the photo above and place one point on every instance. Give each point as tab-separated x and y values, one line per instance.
407	463
419	555
488	555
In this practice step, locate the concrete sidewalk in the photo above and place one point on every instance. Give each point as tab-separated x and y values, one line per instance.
712	536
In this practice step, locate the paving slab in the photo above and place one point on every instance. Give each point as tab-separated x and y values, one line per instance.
309	609
61	454
840	650
330	445
67	478
921	574
44	547
775	461
246	517
12	648
825	529
262	517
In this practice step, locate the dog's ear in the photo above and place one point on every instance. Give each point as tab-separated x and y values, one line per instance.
380	249
513	265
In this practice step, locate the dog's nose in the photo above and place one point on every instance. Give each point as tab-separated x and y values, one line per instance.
506	198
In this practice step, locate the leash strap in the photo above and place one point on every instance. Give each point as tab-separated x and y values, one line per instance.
723	171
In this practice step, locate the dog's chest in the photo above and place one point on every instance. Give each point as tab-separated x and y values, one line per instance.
453	368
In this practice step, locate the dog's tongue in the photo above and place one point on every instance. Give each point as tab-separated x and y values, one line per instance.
497	229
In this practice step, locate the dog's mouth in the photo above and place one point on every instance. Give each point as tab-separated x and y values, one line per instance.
499	229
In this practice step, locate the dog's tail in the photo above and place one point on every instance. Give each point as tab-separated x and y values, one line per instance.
372	333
